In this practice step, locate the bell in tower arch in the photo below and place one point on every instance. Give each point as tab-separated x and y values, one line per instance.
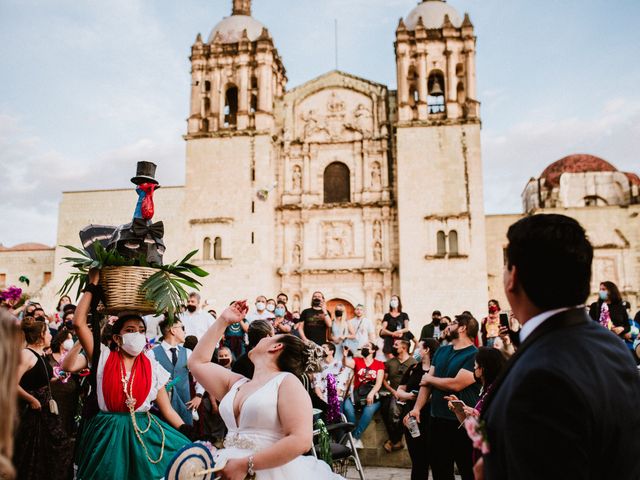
436	89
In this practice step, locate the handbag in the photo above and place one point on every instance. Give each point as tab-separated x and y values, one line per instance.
364	389
53	405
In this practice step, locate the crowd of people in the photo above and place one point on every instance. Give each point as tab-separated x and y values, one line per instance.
153	386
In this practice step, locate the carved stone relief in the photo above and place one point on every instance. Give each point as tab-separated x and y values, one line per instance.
296	256
296	303
296	178
604	269
376	176
377	252
377	304
337	239
377	230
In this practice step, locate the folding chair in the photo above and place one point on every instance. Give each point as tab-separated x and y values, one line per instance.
343	450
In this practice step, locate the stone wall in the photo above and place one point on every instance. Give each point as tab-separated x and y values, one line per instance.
36	265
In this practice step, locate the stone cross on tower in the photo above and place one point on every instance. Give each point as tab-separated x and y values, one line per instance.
241	7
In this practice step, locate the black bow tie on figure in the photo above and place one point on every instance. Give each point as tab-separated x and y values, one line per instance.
142	228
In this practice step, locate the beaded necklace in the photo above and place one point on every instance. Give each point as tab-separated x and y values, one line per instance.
130	402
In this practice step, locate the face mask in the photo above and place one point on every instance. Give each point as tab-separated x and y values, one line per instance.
417	355
493	309
280	312
436	321
271	307
316	302
603	295
365	352
191	308
67	344
260	306
394	303
394	351
224	361
338	313
134	343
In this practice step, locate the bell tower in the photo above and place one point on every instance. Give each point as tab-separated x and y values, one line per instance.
439	170
237	77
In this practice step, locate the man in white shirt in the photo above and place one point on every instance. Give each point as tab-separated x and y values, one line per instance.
196	321
362	327
330	366
174	357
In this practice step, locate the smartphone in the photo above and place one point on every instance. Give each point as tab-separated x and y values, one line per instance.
504	320
458	406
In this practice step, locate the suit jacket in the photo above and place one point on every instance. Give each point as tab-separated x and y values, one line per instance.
567	406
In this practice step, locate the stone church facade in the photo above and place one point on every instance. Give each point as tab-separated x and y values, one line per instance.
340	184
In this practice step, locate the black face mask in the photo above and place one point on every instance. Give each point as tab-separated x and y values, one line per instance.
191	308
338	313
365	352
316	302
224	361
436	322
394	351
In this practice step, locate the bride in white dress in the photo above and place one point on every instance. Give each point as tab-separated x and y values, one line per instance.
269	417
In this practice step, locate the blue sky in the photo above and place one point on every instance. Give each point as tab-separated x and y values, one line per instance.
89	88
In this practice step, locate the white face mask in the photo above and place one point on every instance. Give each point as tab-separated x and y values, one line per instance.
271	307
134	343
260	306
67	344
393	303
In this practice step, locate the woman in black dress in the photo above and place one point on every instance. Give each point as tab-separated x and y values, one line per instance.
395	324
42	448
609	311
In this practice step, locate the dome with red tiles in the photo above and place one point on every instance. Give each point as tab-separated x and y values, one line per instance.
577	163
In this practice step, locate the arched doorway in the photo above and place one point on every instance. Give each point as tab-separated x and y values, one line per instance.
348	307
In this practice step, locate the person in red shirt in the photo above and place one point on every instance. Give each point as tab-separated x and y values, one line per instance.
367	381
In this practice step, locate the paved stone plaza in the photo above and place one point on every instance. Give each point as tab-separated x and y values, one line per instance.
383	473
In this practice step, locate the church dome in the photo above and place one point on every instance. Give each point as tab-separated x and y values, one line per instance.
231	28
432	13
577	163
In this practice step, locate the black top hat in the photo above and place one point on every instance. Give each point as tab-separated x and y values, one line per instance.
145	173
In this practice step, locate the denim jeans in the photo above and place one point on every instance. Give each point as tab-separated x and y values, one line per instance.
365	417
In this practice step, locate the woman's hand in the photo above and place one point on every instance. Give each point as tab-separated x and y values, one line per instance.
235	469
234	313
371	398
34	404
94	276
617	330
470	411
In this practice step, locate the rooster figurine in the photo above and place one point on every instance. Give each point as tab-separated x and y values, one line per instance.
140	236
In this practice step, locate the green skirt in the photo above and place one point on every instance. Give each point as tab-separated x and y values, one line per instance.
109	448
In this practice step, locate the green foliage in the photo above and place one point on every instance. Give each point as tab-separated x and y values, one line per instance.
165	289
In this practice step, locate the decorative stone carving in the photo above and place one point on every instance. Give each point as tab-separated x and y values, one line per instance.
377	304
376	176
296	303
377	252
604	269
337	239
377	230
296	256
296	178
363	119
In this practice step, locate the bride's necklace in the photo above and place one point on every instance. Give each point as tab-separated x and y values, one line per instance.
130	402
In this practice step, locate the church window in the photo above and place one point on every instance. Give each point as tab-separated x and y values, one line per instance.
337	183
453	243
253	207
217	249
207	86
413	87
231	107
206	249
205	125
46	278
253	238
254	82
459	70
206	104
254	103
441	244
435	87
3	279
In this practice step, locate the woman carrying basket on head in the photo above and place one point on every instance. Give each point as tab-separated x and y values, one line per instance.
124	440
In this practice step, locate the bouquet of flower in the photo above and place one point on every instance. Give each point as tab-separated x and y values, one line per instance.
477	433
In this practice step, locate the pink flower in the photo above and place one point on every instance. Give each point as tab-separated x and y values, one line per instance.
476	431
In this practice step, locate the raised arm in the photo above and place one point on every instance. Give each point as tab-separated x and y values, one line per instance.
82	311
462	380
215	379
73	361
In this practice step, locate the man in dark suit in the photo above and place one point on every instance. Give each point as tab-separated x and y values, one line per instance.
568	404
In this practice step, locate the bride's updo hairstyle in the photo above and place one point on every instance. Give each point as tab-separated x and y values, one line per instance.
33	330
298	357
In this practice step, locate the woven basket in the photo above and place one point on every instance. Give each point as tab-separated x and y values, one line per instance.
122	289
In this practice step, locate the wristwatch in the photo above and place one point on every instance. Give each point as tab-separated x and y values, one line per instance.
199	395
250	471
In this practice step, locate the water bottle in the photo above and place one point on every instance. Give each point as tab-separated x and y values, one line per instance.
412	425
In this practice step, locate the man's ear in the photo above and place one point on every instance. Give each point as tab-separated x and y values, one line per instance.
511	279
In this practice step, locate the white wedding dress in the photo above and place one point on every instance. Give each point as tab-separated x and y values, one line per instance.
259	428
